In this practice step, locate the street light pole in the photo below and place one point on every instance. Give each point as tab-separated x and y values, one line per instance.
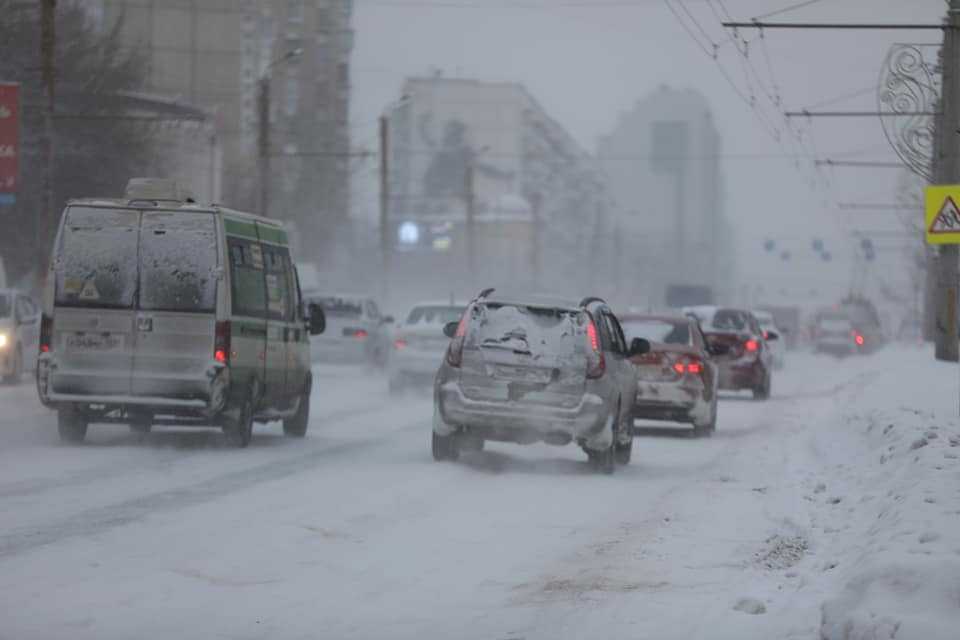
263	128
385	204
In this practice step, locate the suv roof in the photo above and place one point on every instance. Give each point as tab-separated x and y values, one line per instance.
532	300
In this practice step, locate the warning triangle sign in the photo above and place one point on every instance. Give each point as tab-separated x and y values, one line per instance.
947	219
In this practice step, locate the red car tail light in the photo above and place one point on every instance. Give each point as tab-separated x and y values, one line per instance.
596	365
400	343
46	334
859	340
221	342
688	366
751	346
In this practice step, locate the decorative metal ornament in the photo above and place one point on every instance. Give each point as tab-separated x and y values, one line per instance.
908	92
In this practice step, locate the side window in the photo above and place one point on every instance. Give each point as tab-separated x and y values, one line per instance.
247	282
616	334
279	286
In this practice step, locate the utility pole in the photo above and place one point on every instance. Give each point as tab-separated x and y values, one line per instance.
48	41
385	205
263	143
469	197
947	171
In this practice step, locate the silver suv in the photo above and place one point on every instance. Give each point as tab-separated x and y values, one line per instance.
531	369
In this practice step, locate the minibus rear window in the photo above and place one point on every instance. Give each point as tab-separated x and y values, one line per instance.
96	264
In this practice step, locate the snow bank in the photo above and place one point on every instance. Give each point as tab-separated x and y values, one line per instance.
900	552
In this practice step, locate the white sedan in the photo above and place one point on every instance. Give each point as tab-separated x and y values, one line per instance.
419	344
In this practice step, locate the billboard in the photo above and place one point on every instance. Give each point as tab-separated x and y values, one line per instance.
9	142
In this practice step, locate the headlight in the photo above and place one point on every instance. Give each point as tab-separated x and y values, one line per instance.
3	340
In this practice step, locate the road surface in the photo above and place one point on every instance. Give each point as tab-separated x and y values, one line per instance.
355	532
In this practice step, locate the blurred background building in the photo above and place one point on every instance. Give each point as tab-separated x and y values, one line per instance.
662	165
462	149
213	54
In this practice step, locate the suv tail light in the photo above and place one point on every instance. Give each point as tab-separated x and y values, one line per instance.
751	346
596	365
859	340
46	334
455	350
221	342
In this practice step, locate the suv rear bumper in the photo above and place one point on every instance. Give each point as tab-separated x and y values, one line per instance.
519	422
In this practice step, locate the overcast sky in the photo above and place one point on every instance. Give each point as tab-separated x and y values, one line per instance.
587	61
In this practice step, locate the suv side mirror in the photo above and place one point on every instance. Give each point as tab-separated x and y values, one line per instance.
450	329
317	322
638	347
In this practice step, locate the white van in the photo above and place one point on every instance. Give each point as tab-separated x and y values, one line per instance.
160	311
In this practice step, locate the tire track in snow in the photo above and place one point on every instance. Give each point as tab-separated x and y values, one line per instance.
100	519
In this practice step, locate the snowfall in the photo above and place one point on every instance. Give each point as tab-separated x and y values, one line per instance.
831	511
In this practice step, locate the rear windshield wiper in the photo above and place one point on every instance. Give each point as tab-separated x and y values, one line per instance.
492	344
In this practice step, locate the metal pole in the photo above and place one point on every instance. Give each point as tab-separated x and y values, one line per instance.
385	205
948	172
470	228
263	139
48	69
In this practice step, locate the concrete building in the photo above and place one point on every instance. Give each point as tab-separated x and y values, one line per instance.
213	53
463	149
662	166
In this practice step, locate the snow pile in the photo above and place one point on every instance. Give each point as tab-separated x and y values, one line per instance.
898	555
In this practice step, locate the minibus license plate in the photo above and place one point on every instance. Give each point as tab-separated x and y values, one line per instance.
94	342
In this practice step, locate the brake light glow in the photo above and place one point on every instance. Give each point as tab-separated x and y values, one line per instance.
692	367
46	333
221	342
751	345
695	368
360	334
859	340
596	364
399	343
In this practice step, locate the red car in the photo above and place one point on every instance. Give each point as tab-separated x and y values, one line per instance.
741	349
677	378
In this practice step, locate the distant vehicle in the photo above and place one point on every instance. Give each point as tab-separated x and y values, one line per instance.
681	295
778	348
834	333
162	311
788	320
527	369
356	331
677	379
19	335
743	353
866	322
419	344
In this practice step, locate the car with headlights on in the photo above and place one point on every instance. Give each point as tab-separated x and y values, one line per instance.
419	344
677	378
525	369
19	335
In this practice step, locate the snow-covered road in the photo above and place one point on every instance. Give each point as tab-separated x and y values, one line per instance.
356	533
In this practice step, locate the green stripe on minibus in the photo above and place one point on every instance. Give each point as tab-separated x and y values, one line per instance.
238	228
274	235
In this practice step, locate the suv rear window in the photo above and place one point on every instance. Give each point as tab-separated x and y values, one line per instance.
97	261
531	331
178	256
434	315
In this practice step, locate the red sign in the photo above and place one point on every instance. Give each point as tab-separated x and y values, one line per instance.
9	140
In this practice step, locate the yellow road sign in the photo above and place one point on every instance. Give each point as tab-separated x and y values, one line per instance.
942	219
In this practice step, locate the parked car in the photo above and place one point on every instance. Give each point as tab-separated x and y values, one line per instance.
162	311
833	333
356	332
419	344
527	369
19	334
742	351
677	379
778	348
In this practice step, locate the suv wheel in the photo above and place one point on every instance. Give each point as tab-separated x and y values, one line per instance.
296	426
239	430
604	461
71	424
624	450
445	447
